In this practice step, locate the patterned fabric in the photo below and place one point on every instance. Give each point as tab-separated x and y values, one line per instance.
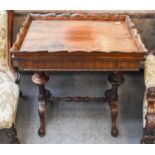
6	76
3	40
9	93
144	109
149	76
149	73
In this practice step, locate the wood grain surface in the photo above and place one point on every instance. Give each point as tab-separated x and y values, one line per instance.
78	35
78	42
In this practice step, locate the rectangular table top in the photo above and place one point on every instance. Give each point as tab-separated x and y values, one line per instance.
87	34
83	42
74	35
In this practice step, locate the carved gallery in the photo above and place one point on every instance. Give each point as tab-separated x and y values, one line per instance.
77	77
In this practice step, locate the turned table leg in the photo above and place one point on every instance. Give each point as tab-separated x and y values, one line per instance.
116	79
41	79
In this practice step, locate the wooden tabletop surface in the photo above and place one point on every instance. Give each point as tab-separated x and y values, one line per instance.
78	35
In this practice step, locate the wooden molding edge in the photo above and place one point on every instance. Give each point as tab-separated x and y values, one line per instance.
22	33
131	13
76	16
135	35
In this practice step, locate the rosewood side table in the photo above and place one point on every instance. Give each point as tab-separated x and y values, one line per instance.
78	42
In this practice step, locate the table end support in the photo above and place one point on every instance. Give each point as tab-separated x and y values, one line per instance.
116	79
40	79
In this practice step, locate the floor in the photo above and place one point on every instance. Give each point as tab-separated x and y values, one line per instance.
81	122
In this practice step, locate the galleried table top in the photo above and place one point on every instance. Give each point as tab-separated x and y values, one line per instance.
79	32
78	42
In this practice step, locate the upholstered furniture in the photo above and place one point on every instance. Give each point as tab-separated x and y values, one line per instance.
149	101
9	90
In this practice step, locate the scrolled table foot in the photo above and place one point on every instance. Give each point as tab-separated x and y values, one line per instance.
41	79
116	79
114	113
41	131
114	132
41	112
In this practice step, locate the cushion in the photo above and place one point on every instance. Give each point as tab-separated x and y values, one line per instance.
6	76
3	40
149	71
149	77
9	93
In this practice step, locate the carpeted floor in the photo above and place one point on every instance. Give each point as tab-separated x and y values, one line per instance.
89	122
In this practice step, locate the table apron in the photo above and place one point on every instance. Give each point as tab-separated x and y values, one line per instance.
73	65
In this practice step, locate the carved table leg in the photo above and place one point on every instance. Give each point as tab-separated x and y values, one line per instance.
41	79
149	130
116	79
13	134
